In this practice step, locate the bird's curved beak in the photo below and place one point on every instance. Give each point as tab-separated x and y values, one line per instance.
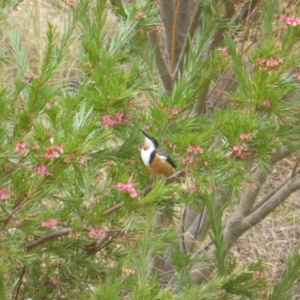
145	134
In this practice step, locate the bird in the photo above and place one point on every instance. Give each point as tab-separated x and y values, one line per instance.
157	161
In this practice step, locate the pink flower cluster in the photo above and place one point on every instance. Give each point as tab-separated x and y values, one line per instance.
224	53
246	136
140	15
3	194
127	187
241	151
94	233
268	64
291	20
21	146
115	119
29	77
266	102
194	150
42	169
175	111
128	271
53	151
50	223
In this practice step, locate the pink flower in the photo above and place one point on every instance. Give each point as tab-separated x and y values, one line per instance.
266	102
53	151
246	136
193	189
42	169
21	146
127	187
35	147
240	151
140	15
292	21
94	233
19	221
128	271
195	149
49	105
3	194
254	185
115	119
188	159
50	223
224	53
268	64
175	111
297	75
29	77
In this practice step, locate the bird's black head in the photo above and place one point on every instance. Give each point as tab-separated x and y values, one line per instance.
152	139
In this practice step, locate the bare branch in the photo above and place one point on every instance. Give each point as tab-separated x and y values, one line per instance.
200	104
268	196
113	209
259	177
186	45
278	198
163	70
16	296
98	245
181	24
167	12
218	36
52	236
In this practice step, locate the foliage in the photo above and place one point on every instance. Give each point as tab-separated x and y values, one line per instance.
78	216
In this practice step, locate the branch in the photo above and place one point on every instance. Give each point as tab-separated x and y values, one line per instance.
113	209
164	73
246	204
218	36
98	245
46	238
279	197
186	45
27	198
166	10
167	179
19	283
199	107
181	22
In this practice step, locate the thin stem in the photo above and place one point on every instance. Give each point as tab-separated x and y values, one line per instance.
47	238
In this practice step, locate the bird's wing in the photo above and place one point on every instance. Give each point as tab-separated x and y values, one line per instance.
164	155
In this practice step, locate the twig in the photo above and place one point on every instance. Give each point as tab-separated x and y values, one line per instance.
6	220
113	209
46	238
267	197
167	179
183	230
19	283
295	167
98	245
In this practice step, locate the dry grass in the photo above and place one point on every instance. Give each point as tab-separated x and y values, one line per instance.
30	19
276	236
